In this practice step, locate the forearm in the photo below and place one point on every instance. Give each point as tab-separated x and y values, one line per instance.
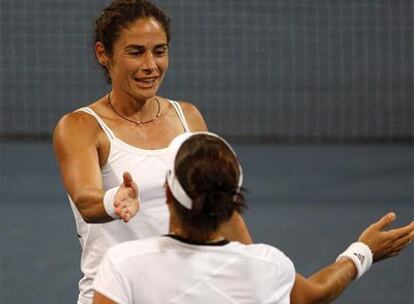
89	203
334	279
236	230
101	299
325	285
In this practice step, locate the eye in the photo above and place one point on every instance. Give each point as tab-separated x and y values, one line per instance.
135	53
161	51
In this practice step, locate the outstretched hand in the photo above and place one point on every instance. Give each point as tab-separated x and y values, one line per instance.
387	243
127	201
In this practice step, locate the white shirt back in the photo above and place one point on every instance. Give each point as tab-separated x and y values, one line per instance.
166	270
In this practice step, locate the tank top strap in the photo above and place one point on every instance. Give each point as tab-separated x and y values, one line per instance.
180	114
101	123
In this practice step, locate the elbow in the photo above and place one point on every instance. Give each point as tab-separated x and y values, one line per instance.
91	218
85	210
88	218
86	215
306	291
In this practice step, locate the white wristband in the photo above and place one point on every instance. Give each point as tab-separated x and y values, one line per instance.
360	254
108	202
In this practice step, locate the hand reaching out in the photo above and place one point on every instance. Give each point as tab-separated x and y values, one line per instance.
127	201
386	243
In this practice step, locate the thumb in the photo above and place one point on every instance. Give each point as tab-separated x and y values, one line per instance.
386	220
127	179
129	182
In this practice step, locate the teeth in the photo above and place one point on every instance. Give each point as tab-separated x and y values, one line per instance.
147	80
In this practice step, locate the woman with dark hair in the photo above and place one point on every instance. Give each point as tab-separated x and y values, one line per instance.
195	263
128	129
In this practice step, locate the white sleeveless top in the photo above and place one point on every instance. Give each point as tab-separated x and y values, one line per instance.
166	270
148	169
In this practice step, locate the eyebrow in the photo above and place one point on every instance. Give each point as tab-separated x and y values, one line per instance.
137	46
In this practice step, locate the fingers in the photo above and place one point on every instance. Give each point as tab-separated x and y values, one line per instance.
397	250
402	242
126	217
405	231
123	213
126	211
126	202
394	241
385	221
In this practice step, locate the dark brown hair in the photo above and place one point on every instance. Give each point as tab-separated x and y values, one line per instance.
118	15
209	173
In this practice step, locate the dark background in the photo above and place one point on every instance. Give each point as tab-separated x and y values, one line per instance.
259	70
316	96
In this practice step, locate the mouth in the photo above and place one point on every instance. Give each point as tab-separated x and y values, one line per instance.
146	81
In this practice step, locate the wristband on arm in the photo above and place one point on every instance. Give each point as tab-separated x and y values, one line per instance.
108	202
361	256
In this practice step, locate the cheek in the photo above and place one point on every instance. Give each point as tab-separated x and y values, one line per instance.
127	68
163	64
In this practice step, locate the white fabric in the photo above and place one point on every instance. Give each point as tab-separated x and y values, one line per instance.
174	184
361	255
108	202
147	168
165	270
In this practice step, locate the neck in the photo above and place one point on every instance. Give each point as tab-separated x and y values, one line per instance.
130	105
208	239
133	109
178	230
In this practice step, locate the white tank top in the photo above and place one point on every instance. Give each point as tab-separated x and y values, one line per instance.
148	169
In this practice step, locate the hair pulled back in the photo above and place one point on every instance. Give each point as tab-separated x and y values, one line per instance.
118	15
209	173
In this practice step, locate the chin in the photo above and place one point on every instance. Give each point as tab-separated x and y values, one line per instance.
146	92
146	95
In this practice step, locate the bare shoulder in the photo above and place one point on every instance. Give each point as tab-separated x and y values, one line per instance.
194	118
79	123
74	127
74	121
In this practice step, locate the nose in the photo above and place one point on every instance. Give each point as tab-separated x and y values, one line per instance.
149	64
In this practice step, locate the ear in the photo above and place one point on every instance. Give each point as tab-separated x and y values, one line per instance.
101	54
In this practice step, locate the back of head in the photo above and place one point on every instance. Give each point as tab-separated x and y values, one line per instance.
210	174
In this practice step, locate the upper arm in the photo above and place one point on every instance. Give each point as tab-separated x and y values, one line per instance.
193	116
75	144
236	229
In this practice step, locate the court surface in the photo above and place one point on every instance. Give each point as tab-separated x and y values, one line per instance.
309	201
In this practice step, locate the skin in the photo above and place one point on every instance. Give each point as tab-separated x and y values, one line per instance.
82	149
137	67
328	283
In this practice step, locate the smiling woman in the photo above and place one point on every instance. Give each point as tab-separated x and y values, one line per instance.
115	148
139	58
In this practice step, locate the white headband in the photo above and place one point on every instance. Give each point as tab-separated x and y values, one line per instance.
175	187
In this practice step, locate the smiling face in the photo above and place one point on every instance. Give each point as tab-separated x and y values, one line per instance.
139	59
